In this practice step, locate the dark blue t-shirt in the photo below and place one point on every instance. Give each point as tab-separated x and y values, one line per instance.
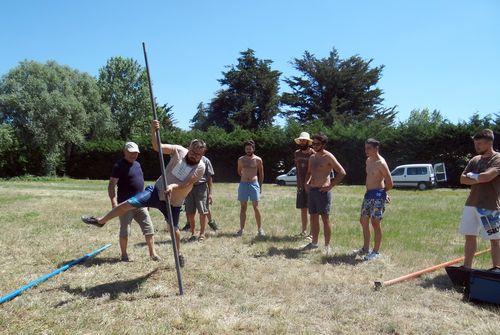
130	178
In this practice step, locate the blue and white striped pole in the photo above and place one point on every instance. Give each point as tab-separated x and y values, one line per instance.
35	282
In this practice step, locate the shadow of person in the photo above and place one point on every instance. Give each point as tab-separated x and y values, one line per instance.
272	238
143	244
94	261
290	253
440	282
113	289
337	259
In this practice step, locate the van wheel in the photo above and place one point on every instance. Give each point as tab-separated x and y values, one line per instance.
422	186
281	183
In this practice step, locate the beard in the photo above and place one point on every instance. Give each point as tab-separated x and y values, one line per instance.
304	147
190	161
249	154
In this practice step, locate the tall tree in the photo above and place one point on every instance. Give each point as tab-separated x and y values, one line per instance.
51	107
335	90
124	88
249	97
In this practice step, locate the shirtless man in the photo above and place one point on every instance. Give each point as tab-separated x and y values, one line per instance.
319	186
251	171
378	182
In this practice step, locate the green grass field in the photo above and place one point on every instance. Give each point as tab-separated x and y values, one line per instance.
232	285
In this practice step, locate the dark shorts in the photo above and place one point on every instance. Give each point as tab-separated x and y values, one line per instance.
197	199
319	202
374	204
149	198
301	201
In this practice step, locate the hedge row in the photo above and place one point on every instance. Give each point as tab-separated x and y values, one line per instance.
410	142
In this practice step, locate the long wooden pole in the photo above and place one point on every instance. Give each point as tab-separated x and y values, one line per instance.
164	177
417	274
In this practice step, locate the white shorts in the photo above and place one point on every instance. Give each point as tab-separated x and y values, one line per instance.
477	221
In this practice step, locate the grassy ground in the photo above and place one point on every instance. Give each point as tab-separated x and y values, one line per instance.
232	285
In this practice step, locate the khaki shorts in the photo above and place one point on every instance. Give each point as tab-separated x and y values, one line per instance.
141	216
197	199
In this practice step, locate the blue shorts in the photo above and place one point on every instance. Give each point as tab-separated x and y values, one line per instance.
249	190
149	198
374	204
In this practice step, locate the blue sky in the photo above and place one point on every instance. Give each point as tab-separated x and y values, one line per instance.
438	54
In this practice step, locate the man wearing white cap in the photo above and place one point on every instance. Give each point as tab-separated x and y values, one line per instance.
127	175
301	157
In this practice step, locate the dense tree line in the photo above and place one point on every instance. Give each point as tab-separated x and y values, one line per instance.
57	120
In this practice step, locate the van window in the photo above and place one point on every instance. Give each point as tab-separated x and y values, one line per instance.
417	171
398	172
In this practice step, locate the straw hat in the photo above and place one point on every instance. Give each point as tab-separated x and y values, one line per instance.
303	136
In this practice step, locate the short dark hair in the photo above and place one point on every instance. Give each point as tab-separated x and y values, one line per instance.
373	142
320	137
486	134
251	143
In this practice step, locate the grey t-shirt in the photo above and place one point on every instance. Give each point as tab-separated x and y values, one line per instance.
209	171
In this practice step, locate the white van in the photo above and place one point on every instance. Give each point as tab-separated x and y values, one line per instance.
289	178
421	176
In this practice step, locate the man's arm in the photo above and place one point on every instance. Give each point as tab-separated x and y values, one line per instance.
308	176
165	148
339	173
209	186
260	171
240	167
112	191
470	178
384	169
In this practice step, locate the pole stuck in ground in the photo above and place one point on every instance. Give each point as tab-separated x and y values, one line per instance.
164	176
417	274
65	267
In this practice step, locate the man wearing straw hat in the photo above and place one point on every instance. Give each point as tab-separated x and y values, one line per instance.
301	157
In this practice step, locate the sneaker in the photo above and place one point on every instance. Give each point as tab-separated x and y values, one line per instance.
327	250
260	233
239	233
361	251
309	238
125	258
309	246
192	238
91	220
212	224
371	256
182	260
186	227
155	258
201	238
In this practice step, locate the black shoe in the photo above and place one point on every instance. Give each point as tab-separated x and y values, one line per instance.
125	258
212	224
186	227
182	261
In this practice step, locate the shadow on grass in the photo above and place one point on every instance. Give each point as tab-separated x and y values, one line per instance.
94	261
272	238
113	289
337	259
224	234
143	244
290	253
440	282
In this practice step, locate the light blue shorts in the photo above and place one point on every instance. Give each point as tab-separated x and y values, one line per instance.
249	190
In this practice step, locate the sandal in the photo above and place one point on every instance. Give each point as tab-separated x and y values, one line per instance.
91	220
